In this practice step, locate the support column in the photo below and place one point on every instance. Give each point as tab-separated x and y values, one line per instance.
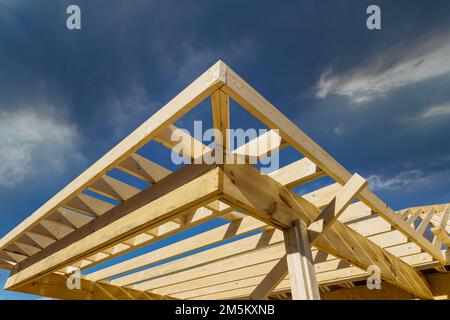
300	263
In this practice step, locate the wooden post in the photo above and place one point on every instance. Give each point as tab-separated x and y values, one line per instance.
300	264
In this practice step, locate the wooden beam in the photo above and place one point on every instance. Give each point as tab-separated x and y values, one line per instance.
89	205
426	221
240	246
271	280
113	188
261	196
442	235
221	121
260	147
439	284
143	168
329	270
300	263
208	279
196	242
241	293
55	286
297	173
256	104
149	208
237	262
440	231
197	91
336	207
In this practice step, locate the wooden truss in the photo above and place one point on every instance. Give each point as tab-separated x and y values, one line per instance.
285	244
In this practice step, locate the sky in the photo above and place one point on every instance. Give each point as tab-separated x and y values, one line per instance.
377	100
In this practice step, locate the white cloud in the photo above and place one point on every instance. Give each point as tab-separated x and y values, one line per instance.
436	111
34	143
339	130
410	180
428	114
124	109
402	180
393	68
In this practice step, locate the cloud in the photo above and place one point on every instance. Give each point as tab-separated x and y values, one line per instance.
35	141
402	180
195	57
393	68
125	108
431	113
410	180
436	111
189	59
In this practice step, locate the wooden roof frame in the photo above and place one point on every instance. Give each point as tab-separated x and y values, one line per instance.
40	249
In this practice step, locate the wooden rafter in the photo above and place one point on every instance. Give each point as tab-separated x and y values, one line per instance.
149	208
75	229
55	286
246	189
256	104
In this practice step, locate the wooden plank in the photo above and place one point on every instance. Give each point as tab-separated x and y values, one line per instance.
191	147
54	286
225	287
113	188
241	293
260	147
143	168
441	235
210	237
336	207
413	217
40	239
58	230
257	241
255	257
426	221
220	106
7	265
250	99
210	280
89	205
439	231
201	88
151	207
270	281
296	173
192	218
206	282
331	263
439	284
261	196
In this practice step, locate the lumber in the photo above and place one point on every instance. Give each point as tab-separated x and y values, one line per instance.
54	286
266	199
197	91
256	104
302	276
235	228
269	282
151	207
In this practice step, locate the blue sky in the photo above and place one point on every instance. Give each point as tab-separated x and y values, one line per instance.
378	101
